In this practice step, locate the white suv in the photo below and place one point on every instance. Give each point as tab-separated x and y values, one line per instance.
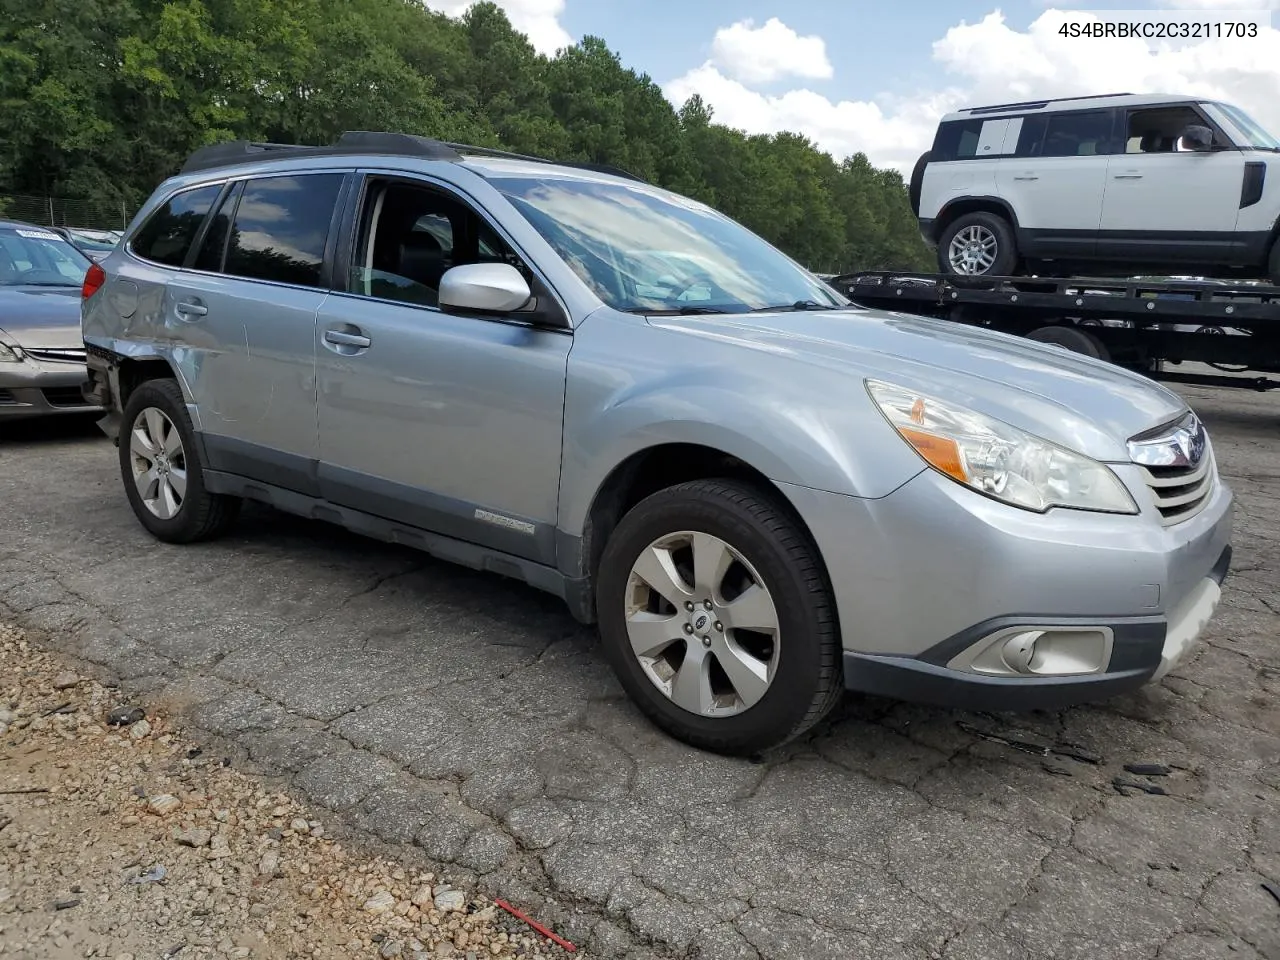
1116	183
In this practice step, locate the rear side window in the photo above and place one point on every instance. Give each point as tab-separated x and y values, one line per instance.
214	245
281	227
976	139
957	140
166	236
1078	134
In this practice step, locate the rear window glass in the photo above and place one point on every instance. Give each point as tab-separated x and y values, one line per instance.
281	227
957	140
166	236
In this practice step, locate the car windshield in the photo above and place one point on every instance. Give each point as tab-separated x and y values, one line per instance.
33	257
648	251
93	243
1256	135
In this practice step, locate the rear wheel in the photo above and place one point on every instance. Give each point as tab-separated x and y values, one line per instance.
162	471
717	618
978	244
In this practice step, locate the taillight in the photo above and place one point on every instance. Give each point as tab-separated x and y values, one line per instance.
93	280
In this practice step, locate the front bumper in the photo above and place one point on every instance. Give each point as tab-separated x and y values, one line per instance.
1143	649
933	573
30	389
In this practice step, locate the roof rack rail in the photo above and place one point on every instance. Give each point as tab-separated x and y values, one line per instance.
1038	104
235	152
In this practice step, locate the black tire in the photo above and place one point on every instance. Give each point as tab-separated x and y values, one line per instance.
1073	339
808	678
200	515
1006	257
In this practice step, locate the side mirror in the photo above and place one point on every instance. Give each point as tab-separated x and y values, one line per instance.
1197	138
483	288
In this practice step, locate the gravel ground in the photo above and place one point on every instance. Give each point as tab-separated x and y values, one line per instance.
120	838
469	725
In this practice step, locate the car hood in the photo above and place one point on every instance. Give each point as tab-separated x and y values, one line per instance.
41	316
1083	404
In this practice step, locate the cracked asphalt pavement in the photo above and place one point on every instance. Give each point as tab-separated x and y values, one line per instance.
469	717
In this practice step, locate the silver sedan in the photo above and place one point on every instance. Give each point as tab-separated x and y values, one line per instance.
42	358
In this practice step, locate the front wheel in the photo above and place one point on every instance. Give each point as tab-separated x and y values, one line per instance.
162	471
978	244
718	619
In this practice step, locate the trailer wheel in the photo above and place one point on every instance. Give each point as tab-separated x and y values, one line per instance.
1073	339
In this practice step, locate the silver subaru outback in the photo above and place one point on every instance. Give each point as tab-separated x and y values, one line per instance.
762	494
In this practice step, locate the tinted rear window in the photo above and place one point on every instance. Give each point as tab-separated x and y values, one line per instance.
166	236
281	227
957	139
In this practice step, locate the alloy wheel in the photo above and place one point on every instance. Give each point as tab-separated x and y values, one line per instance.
702	624
159	463
972	250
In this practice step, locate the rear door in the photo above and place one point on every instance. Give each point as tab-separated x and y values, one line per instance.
1055	181
245	308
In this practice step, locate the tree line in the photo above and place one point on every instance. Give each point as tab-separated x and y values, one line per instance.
103	99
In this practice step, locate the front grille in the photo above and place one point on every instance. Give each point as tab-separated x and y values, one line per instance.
6	396
1181	492
56	354
64	397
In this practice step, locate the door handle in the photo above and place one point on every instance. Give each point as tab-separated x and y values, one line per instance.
1128	176
346	339
1028	177
191	308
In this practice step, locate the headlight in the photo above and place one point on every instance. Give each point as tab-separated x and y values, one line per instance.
997	459
10	354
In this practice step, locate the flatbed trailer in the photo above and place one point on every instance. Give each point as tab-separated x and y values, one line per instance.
1145	324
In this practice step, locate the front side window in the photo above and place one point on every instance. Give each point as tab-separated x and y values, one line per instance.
39	258
166	236
1077	134
649	251
281	227
410	235
1158	130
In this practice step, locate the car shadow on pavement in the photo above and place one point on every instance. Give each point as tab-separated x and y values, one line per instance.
63	429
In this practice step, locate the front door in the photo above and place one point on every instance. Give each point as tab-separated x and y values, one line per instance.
1169	204
443	422
247	309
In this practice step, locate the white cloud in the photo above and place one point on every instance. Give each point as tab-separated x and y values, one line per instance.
537	19
990	62
760	54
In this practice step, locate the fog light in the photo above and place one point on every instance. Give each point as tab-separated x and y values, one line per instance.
1038	651
1019	650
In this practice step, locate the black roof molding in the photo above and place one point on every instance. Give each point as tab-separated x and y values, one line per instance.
355	142
1038	104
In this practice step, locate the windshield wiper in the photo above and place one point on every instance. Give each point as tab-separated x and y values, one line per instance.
672	311
790	307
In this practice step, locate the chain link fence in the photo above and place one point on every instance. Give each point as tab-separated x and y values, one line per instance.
62	212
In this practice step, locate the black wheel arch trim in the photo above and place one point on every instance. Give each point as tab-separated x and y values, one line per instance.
947	215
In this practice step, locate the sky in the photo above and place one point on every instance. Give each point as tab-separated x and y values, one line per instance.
857	75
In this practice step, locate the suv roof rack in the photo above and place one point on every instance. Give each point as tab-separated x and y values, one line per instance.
233	152
1038	104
